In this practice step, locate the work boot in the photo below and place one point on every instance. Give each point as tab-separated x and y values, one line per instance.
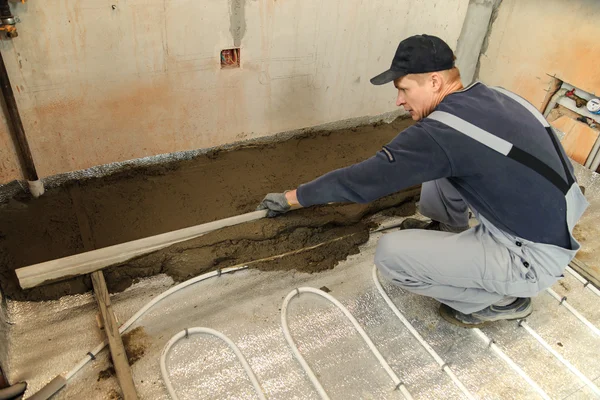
413	223
519	309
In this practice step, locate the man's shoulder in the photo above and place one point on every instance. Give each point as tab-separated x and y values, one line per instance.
477	98
490	109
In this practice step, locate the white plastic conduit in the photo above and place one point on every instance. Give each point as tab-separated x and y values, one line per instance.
560	358
302	361
492	345
418	336
185	334
586	284
563	302
148	306
92	354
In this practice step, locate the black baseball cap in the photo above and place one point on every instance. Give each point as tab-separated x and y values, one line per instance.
416	55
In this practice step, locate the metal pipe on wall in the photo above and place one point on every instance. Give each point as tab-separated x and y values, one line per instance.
8	20
36	186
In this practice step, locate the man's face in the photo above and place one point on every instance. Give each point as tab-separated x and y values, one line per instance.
416	97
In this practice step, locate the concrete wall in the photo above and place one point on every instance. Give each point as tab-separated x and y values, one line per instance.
472	36
532	40
100	81
9	162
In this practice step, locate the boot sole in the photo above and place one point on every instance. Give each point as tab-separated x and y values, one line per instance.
447	314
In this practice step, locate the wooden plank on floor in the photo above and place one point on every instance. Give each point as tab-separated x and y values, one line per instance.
88	262
115	343
589	272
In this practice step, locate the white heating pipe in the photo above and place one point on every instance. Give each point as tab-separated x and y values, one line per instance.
560	358
563	302
302	361
185	334
148	306
587	284
418	336
492	345
92	354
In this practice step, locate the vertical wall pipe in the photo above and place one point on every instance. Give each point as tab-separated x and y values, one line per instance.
35	185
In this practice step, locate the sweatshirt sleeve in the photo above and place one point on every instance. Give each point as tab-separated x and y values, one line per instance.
411	158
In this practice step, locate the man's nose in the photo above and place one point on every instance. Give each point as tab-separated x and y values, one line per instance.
400	100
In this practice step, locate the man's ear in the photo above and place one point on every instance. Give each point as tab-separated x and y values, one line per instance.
436	81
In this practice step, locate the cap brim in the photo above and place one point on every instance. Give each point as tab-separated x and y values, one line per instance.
387	76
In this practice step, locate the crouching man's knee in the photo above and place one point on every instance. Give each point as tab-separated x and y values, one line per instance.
397	259
388	259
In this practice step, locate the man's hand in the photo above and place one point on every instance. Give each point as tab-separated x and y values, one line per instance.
279	203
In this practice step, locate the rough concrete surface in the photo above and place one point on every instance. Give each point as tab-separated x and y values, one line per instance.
474	31
136	203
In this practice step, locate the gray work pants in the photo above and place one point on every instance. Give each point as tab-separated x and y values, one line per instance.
468	271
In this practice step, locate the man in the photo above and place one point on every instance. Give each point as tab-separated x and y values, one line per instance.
477	147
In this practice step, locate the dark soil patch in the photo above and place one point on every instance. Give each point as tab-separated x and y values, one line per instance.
114	395
135	342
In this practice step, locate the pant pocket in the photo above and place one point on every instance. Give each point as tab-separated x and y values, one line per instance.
409	283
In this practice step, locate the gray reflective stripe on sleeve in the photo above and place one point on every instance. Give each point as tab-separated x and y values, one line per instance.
530	107
388	154
472	131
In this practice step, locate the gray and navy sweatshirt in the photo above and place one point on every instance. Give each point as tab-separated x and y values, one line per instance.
511	196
